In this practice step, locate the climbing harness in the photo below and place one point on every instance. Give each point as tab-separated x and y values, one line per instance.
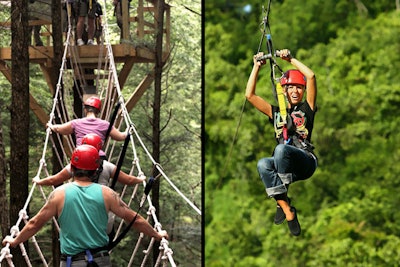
283	111
89	257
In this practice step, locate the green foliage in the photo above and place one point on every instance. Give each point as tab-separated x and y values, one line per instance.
348	208
180	138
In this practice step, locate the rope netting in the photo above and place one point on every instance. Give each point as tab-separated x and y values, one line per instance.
108	89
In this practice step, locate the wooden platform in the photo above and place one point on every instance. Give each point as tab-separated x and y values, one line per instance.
88	54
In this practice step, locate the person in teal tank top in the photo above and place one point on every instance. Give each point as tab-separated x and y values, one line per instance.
82	208
80	197
106	171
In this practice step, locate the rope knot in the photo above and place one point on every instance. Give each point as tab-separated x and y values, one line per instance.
5	252
23	214
151	209
14	230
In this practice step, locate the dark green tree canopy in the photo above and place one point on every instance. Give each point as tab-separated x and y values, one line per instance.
347	209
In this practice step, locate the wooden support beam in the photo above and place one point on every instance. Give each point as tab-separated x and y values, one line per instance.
87	53
126	69
139	91
7	24
51	81
33	104
136	95
5	70
38	110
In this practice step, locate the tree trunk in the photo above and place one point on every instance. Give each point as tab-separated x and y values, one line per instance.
19	135
4	218
56	65
156	110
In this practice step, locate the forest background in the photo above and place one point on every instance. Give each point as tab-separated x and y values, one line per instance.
180	139
348	210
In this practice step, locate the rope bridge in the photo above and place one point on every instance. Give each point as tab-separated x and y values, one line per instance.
109	90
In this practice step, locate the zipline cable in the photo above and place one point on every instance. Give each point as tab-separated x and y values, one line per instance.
233	143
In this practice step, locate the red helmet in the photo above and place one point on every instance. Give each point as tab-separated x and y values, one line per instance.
85	157
93	140
93	101
293	77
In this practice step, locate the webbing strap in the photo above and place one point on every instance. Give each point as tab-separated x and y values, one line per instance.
282	110
281	102
120	160
114	115
89	255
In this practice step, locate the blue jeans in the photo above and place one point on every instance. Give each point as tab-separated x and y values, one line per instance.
288	164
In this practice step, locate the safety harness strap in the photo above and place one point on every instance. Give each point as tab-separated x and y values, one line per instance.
282	110
114	115
120	161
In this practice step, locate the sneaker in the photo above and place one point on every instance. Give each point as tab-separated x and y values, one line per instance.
294	225
279	214
80	42
90	42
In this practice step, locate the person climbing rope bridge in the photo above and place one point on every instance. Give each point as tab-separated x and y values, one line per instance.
82	209
90	124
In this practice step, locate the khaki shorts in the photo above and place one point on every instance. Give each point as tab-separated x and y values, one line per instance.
81	8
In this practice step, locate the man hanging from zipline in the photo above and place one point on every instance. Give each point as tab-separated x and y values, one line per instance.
293	158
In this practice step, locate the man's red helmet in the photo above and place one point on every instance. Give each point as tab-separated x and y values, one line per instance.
93	101
85	157
92	139
293	77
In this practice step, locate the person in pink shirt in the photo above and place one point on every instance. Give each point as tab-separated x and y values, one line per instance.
89	124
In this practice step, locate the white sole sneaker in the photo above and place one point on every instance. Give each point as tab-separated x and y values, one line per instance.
80	42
